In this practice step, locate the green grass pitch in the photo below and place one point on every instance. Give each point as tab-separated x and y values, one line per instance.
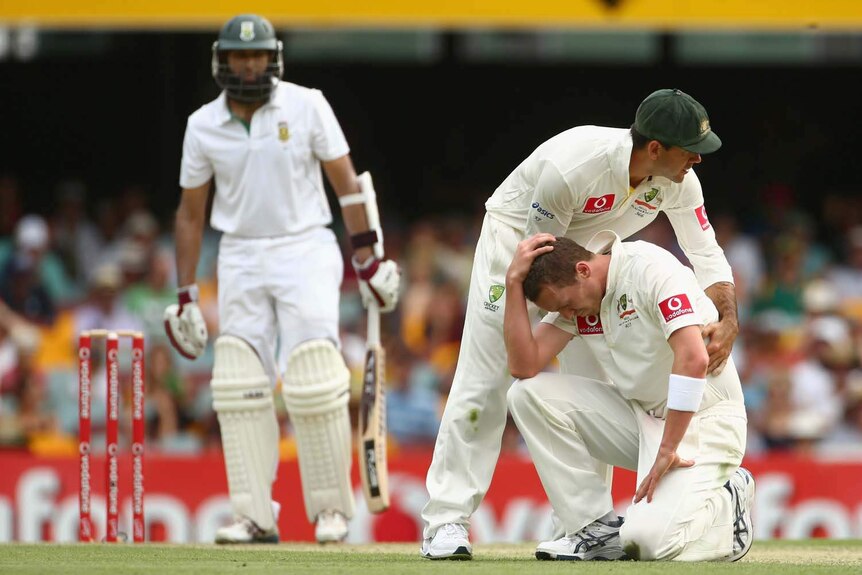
779	557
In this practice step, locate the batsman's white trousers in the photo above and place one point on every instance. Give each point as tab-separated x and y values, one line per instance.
283	289
281	292
471	431
568	421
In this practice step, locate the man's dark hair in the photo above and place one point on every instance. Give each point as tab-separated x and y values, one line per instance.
640	141
555	268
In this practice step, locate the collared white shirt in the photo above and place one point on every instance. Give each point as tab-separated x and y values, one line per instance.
650	294
268	179
577	183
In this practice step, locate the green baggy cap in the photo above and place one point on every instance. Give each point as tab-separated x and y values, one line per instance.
676	119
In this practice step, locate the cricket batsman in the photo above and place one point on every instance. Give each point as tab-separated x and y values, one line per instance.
263	146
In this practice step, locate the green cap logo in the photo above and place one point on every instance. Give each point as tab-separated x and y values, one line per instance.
495	292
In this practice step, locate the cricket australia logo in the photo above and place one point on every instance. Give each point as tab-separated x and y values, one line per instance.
626	310
494	294
246	31
648	206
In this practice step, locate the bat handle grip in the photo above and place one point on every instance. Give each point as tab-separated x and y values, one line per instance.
373	324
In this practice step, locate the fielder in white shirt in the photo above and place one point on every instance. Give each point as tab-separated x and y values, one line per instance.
261	145
640	312
586	179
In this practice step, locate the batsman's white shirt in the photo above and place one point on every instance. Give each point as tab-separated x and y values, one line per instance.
279	265
650	294
268	179
575	184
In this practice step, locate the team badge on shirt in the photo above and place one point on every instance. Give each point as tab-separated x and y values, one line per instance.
495	292
590	325
701	217
626	310
283	132
600	204
675	306
648	206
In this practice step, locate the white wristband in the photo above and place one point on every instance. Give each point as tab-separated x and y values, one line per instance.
684	393
351	200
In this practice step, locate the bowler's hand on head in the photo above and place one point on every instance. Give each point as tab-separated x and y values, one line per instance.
527	251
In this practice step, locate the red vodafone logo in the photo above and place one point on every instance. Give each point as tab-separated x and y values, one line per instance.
590	325
600	204
701	217
675	306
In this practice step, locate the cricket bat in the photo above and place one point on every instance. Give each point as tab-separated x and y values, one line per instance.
371	436
372	420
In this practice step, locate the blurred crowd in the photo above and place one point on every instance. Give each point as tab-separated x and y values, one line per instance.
83	264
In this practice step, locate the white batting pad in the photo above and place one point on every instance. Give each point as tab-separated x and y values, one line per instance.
242	398
316	392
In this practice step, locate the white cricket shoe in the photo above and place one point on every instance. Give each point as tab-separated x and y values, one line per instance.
331	527
450	542
595	542
741	487
245	531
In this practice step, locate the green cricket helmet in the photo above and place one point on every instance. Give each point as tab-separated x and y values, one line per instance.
247	32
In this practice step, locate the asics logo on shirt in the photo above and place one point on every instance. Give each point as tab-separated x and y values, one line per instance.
543	211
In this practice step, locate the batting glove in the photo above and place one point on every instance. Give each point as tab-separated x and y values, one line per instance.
185	324
379	281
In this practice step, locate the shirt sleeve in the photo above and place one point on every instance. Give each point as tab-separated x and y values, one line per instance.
195	167
552	207
556	320
697	237
327	140
675	302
